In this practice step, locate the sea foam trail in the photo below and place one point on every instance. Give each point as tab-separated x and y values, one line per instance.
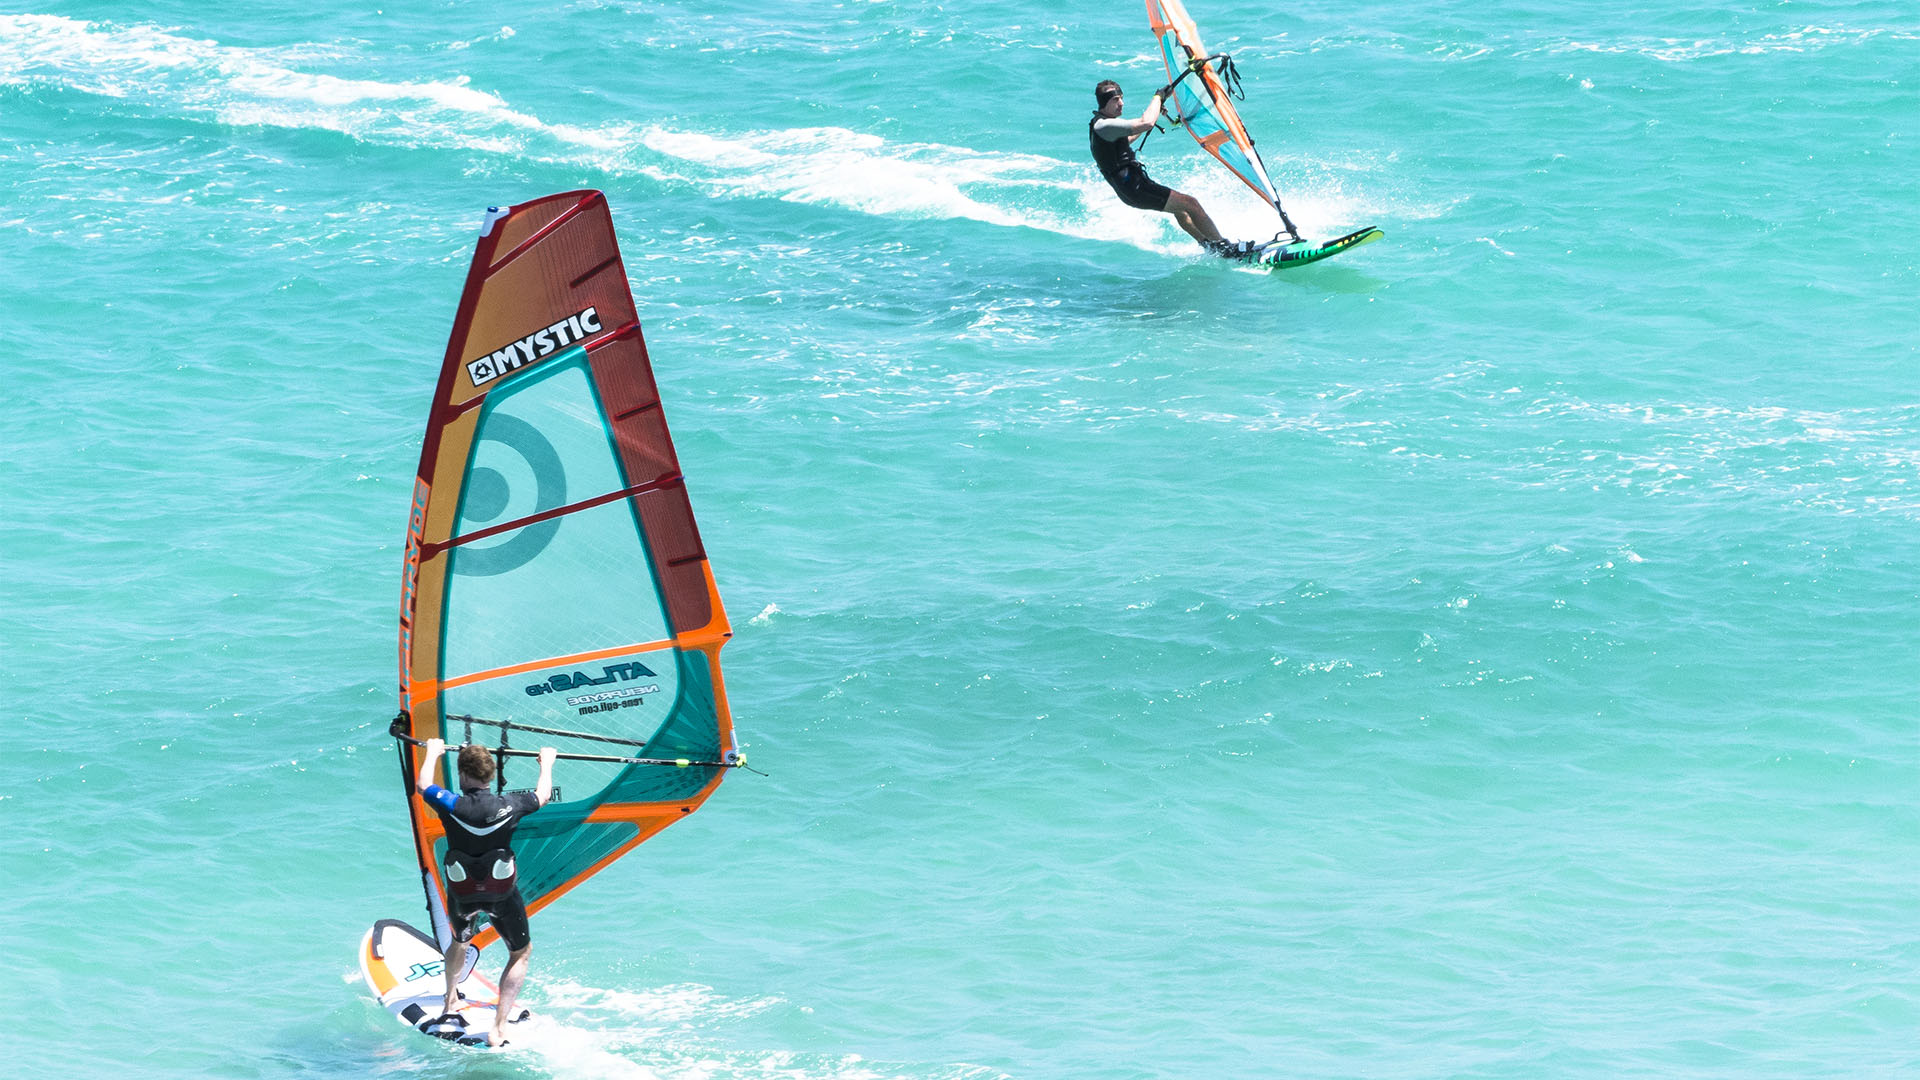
835	167
246	87
668	1032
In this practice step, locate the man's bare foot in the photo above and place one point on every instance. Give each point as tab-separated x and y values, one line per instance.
450	1006
496	1037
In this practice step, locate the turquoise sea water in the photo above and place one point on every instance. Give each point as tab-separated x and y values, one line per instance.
1489	654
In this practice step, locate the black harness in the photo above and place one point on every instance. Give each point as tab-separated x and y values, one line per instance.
479	865
478	878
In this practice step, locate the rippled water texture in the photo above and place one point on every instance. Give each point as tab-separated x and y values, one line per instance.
1488	654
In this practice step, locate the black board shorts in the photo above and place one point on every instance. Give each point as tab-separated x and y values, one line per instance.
508	917
1139	190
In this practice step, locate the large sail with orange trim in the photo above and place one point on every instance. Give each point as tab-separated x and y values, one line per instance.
1204	86
556	591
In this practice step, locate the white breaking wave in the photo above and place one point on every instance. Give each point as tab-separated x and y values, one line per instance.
855	171
823	166
243	87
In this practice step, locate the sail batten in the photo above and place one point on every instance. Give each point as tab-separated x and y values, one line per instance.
559	511
555	581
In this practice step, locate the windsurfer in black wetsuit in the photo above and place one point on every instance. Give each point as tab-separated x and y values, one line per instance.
479	869
1111	136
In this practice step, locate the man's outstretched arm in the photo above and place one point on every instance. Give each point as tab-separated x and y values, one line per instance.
436	749
433	793
544	789
1119	126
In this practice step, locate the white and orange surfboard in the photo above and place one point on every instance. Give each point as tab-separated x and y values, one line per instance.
406	972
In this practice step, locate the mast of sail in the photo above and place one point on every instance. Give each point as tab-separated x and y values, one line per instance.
405	746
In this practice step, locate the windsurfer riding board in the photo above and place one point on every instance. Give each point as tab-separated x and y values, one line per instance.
1111	136
479	869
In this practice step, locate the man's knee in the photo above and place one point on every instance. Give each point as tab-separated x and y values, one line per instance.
1179	202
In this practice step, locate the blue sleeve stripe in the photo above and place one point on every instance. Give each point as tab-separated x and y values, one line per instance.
440	796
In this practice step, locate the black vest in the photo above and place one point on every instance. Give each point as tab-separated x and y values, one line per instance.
479	863
1114	156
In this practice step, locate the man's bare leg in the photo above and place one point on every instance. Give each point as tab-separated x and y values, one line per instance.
456	954
1192	218
510	980
1187	226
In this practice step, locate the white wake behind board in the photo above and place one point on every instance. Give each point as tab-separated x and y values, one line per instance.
405	970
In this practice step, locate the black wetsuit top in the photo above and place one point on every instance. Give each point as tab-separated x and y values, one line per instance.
1124	172
1114	156
480	827
479	821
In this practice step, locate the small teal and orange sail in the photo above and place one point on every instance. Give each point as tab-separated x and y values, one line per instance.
1204	87
556	592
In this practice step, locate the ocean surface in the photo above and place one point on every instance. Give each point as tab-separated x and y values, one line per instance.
1492	653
